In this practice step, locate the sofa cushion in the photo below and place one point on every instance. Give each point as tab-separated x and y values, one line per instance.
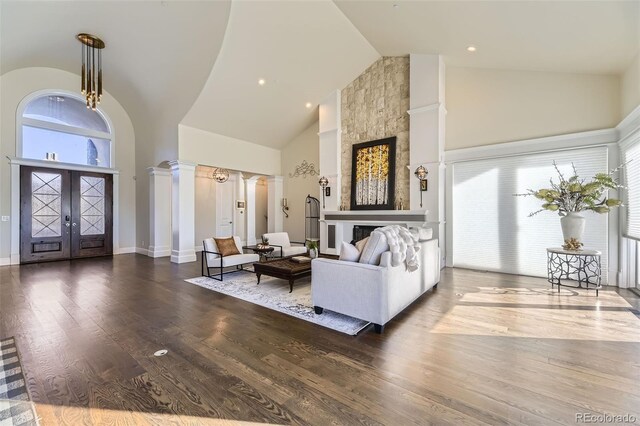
237	259
226	246
349	252
373	249
360	244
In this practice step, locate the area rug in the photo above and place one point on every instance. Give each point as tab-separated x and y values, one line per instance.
15	405
273	293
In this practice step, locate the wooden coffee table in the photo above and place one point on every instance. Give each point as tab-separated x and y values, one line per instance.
283	268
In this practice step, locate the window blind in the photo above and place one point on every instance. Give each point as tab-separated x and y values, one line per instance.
491	227
631	156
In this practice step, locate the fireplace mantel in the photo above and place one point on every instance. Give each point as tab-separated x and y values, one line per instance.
388	217
340	223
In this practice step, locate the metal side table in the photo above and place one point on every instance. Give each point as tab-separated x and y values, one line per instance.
583	267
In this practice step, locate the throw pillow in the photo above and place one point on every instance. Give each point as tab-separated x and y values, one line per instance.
349	253
374	248
360	244
227	246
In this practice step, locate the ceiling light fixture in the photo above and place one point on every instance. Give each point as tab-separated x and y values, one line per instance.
91	85
308	105
262	82
471	49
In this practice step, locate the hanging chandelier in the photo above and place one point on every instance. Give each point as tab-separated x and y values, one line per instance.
220	175
91	85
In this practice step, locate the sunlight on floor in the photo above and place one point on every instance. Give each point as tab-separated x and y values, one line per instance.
64	415
542	313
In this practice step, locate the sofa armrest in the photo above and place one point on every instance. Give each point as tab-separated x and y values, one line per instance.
355	289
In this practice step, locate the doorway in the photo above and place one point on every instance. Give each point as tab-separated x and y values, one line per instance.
64	214
224	209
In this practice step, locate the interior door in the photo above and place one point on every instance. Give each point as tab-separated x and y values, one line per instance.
92	214
224	209
45	214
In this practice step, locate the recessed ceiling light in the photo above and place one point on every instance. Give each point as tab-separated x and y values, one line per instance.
308	105
471	48
262	82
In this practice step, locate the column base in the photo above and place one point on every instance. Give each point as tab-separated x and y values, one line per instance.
159	251
183	256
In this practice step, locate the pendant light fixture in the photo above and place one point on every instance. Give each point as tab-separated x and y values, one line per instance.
91	85
220	175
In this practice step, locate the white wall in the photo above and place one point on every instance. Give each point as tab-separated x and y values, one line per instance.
17	84
488	106
630	87
305	147
202	147
262	195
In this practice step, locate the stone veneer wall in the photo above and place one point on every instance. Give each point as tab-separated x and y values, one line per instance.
374	106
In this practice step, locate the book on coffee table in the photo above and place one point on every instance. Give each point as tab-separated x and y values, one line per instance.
301	259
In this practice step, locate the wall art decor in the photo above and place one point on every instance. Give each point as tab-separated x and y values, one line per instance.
373	175
304	169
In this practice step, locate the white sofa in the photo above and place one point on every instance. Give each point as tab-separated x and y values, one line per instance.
211	258
284	247
371	292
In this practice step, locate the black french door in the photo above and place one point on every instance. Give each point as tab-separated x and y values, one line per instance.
64	214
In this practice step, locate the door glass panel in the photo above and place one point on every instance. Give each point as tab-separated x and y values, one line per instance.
91	205
46	220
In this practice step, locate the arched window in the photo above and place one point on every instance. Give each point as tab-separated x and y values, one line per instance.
61	128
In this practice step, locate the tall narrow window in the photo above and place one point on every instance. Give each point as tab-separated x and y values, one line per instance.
62	128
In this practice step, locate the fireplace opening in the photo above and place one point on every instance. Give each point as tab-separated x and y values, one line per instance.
361	232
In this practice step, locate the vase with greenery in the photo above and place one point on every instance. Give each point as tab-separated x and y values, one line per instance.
572	195
313	248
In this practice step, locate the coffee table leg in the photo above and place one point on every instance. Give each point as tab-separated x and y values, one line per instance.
290	286
258	275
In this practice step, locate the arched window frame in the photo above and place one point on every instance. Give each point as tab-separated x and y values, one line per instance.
20	121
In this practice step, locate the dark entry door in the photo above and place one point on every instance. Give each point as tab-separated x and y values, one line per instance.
64	214
45	214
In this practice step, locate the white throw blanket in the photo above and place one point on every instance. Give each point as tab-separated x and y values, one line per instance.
403	245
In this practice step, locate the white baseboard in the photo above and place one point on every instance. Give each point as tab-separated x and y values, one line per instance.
5	261
159	251
184	256
125	250
141	250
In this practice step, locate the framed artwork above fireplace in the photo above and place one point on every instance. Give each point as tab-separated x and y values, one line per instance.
373	166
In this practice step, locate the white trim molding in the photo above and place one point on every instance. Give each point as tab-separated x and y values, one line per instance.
433	107
630	124
528	146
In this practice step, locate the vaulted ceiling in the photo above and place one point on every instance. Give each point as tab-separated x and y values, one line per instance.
200	62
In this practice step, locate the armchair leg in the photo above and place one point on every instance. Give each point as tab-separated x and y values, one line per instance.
378	328
435	286
318	310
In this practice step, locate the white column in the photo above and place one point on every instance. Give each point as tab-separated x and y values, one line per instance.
183	211
250	211
275	193
330	133
427	137
159	212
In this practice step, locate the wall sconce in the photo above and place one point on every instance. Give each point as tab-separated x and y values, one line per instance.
285	207
421	173
324	182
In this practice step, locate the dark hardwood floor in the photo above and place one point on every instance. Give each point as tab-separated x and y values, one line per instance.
483	348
